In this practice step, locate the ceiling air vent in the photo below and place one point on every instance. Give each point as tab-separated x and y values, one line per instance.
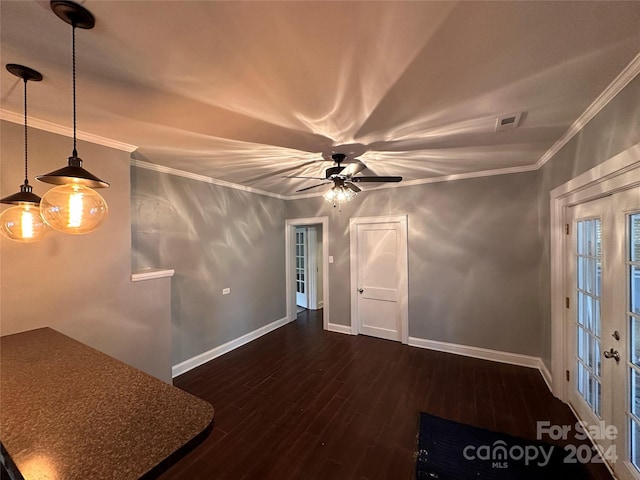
507	122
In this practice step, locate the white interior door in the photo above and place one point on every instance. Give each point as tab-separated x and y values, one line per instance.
379	261
302	268
603	275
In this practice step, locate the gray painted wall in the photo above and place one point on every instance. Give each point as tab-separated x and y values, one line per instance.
479	249
474	252
81	285
613	130
478	253
213	237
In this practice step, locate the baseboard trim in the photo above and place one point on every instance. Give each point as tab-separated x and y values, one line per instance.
591	439
335	327
546	374
485	354
204	357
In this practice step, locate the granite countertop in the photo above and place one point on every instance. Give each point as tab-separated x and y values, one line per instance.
68	411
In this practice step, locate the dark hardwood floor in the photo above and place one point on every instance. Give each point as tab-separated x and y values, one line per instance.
303	403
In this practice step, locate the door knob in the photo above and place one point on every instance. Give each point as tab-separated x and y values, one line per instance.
612	354
360	290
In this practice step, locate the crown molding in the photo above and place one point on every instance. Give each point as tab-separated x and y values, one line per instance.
464	176
444	178
408	183
51	127
621	81
202	178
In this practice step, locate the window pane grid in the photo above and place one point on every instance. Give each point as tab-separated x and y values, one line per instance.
300	263
634	444
588	291
633	315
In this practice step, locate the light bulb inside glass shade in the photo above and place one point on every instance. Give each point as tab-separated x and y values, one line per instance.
339	194
330	194
23	223
73	208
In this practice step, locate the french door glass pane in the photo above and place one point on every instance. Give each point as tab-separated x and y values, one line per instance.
582	336
635	443
635	340
634	293
634	226
596	316
588	291
598	363
635	385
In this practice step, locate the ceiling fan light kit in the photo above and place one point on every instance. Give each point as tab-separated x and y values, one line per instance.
22	222
73	206
339	194
344	181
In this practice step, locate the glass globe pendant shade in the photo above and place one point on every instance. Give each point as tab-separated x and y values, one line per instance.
73	208
23	223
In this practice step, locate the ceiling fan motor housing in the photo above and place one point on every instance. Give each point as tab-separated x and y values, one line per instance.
331	171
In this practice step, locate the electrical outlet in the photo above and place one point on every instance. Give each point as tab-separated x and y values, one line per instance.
226	291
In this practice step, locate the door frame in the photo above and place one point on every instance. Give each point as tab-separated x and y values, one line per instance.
290	242
307	267
312	282
616	174
403	274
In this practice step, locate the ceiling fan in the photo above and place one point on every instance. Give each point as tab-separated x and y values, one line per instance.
344	177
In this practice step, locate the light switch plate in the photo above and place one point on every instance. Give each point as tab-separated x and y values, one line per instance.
330	258
226	291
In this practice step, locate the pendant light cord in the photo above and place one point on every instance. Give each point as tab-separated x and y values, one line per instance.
26	152
73	43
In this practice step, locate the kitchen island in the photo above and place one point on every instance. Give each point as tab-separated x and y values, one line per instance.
69	412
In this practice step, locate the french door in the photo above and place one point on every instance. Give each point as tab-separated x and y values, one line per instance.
302	270
603	302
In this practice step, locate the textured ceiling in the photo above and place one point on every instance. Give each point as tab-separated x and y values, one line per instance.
247	92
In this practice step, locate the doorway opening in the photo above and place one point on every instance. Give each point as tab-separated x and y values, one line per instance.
307	266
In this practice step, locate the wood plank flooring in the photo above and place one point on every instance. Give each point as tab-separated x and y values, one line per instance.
303	403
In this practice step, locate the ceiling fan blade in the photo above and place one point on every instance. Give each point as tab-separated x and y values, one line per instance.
312	186
353	168
310	178
376	179
353	187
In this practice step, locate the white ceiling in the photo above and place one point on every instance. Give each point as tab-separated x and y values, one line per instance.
247	92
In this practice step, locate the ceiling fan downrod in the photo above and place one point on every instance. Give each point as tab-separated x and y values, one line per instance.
332	171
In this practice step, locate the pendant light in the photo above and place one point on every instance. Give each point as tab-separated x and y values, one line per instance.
23	222
74	206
